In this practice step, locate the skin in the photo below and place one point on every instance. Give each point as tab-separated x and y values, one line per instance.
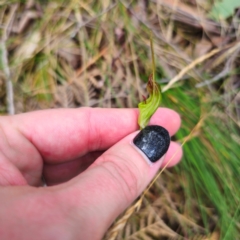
92	169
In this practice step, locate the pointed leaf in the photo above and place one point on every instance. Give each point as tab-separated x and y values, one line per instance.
149	106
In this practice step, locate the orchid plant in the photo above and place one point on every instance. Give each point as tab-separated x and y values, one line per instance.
150	105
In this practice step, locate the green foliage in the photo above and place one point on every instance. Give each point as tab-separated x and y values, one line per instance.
224	9
210	166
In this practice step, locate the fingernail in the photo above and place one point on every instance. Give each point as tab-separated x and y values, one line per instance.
153	141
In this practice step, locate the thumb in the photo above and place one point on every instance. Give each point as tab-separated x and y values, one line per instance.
116	179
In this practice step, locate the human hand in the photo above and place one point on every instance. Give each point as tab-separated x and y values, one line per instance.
92	169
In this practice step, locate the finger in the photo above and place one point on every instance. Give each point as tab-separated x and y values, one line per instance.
20	162
115	179
173	155
67	134
59	173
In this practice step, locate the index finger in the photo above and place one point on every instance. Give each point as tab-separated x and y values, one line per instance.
67	134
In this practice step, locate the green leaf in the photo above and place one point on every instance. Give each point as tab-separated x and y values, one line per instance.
224	9
149	106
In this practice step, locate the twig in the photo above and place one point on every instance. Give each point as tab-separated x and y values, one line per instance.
226	69
196	62
8	82
189	67
6	69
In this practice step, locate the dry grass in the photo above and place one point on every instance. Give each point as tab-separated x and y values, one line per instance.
96	53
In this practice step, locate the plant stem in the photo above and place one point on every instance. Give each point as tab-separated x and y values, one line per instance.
153	59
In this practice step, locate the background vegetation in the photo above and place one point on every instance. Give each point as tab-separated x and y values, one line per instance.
96	53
